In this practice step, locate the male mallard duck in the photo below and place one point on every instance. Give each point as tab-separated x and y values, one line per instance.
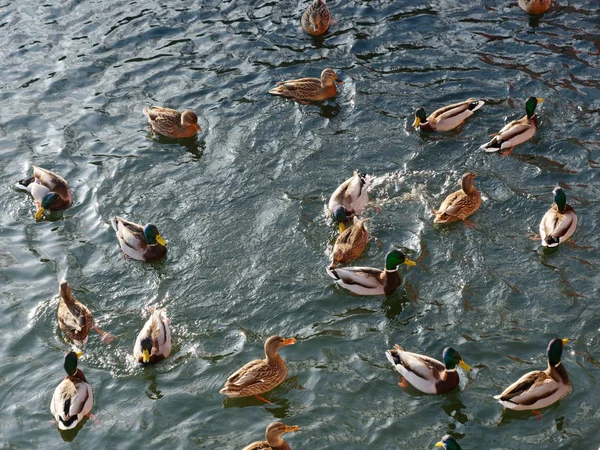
153	343
137	242
75	319
273	435
49	190
460	204
559	222
307	90
352	195
260	375
447	118
73	398
351	243
172	123
426	374
534	6
369	281
316	19
538	389
517	131
449	443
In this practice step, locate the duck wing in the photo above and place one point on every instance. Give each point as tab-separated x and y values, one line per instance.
529	389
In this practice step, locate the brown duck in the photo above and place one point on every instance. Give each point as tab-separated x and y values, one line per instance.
307	90
172	123
460	204
273	435
316	19
535	6
261	375
351	243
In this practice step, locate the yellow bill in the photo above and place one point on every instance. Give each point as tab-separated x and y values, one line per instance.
409	262
540	100
341	227
39	213
565	341
464	365
439	444
416	122
160	240
145	356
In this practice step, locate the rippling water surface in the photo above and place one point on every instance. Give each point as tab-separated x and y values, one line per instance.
243	209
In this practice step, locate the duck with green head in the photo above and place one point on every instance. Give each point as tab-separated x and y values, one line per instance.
50	191
449	443
143	243
446	118
370	281
517	131
559	222
73	398
426	374
539	388
153	343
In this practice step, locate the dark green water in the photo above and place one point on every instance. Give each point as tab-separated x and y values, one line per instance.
243	209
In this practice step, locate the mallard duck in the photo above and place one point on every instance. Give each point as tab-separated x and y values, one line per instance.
426	374
172	123
261	375
352	195
49	191
351	243
447	118
75	319
559	222
273	435
369	281
538	389
307	90
73	398
153	343
316	19
449	443
137	242
517	131
460	204
534	6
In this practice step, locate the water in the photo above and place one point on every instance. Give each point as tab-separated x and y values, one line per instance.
243	209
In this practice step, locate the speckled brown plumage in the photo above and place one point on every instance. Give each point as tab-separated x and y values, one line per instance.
316	19
273	436
172	123
74	318
460	204
351	243
309	89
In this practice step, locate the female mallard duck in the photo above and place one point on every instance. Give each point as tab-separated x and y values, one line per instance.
75	319
449	443
73	398
49	191
447	118
307	90
261	375
559	222
273	435
352	195
460	204
153	343
534	6
172	123
538	389
351	243
316	19
517	131
137	242
426	374
369	281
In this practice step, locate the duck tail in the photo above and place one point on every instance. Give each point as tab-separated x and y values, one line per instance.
493	146
552	241
476	104
24	183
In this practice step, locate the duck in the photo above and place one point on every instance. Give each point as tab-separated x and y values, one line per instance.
351	242
317	18
539	388
535	7
306	90
172	123
426	374
273	436
49	190
73	397
559	222
75	319
447	118
260	375
517	131
143	243
153	343
370	281
449	443
351	195
460	204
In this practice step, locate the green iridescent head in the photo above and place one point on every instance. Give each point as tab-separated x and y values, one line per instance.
449	443
152	235
47	201
554	352
394	258
452	358
419	117
70	363
339	215
560	198
146	345
530	105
